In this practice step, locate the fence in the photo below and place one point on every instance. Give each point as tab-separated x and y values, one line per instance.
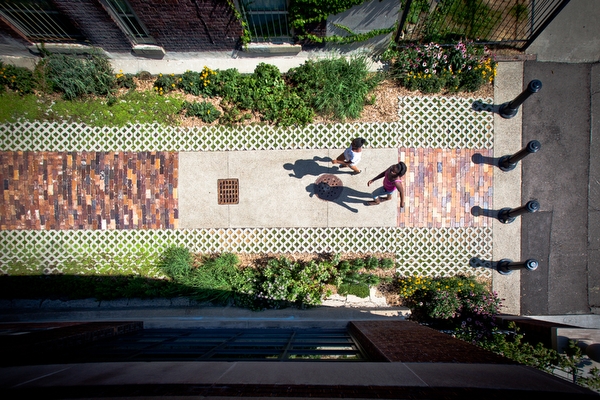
501	23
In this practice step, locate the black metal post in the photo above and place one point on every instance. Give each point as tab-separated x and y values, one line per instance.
506	266
508	215
508	163
510	109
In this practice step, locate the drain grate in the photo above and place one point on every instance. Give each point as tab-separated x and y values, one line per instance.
228	190
328	187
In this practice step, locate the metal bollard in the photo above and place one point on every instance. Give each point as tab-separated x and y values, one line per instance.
510	109
508	215
509	162
506	266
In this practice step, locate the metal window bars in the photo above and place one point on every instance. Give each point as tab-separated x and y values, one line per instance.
267	20
39	21
128	21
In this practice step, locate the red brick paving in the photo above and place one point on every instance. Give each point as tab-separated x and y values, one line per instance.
88	190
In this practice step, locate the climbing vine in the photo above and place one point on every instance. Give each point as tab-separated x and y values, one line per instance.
304	12
351	38
246	37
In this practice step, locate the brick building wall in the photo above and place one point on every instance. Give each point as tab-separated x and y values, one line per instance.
94	22
190	25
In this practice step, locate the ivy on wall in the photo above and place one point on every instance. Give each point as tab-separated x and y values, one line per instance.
303	13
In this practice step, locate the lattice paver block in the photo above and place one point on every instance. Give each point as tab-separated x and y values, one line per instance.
433	121
428	252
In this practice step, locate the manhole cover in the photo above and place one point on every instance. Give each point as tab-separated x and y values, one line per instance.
328	187
228	191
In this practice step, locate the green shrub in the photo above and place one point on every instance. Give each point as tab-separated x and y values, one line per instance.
18	79
165	83
387	263
453	303
372	263
337	87
176	262
357	289
124	81
199	83
215	280
204	110
357	264
76	77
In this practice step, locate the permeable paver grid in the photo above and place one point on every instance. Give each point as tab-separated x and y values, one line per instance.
442	186
88	190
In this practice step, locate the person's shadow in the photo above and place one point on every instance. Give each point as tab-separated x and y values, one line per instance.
301	168
340	195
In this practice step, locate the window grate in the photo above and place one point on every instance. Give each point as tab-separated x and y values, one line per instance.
267	20
39	21
128	21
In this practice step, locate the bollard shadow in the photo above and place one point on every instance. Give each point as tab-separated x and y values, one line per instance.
478	158
484	212
476	262
342	196
301	168
480	106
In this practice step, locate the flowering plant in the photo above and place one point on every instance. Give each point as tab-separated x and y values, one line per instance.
431	67
456	303
198	83
165	83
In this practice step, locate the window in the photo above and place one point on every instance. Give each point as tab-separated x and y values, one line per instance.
222	345
39	21
128	21
267	20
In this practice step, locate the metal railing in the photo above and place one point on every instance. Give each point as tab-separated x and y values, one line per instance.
507	23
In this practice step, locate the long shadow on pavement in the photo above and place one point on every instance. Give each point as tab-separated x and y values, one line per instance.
346	195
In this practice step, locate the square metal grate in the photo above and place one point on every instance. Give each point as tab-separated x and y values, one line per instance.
228	190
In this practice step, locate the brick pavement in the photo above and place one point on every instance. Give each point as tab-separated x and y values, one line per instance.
88	190
138	190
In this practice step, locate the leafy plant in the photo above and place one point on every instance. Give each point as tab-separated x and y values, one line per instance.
15	78
176	262
165	83
336	86
207	112
124	80
305	12
451	303
357	289
76	77
199	83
